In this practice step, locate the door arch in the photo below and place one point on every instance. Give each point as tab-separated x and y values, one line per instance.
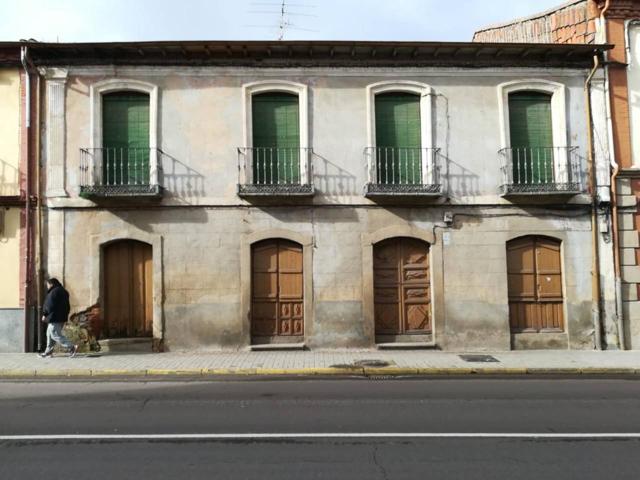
402	287
128	290
277	291
534	272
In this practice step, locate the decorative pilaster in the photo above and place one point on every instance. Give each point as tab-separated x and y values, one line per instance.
56	79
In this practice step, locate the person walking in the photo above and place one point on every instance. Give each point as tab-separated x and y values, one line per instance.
55	313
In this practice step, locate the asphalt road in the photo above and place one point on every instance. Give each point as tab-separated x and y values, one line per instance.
478	414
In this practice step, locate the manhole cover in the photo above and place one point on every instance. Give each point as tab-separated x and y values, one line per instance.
371	363
478	358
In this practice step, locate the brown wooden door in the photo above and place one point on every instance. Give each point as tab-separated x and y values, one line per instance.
402	292
277	289
535	284
128	290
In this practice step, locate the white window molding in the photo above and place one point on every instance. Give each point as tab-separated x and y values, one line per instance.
558	117
98	89
425	92
265	86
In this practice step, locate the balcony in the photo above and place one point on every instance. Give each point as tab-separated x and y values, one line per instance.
540	171
402	172
275	172
120	173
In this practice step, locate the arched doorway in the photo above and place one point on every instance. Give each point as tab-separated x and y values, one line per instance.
277	298
402	287
535	284
128	290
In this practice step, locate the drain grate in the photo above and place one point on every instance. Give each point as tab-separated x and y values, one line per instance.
478	358
371	363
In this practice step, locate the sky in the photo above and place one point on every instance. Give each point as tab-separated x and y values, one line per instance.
140	20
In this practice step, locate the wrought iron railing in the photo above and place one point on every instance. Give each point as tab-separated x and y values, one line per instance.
402	170
120	171
540	170
275	170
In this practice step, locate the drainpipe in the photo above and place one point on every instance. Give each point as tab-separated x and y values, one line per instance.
23	58
39	269
595	256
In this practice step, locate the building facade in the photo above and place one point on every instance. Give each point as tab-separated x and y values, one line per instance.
12	202
323	195
615	22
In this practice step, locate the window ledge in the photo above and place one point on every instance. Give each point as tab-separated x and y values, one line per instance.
121	191
284	190
402	190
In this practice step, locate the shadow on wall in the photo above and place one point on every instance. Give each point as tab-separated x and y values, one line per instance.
181	181
459	181
331	179
9	179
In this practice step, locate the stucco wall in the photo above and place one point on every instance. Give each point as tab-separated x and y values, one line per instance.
10	258
201	268
200	126
197	230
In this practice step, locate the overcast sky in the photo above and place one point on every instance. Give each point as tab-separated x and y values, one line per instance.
125	20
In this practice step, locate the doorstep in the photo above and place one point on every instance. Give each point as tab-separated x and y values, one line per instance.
261	347
127	345
405	345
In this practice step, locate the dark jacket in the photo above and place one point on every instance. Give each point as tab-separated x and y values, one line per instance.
56	305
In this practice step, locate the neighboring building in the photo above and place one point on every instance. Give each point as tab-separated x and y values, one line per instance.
616	22
212	195
12	202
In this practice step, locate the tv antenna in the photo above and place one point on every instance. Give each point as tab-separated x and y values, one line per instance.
284	10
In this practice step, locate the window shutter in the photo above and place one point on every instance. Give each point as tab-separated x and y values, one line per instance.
125	138
398	140
276	138
531	137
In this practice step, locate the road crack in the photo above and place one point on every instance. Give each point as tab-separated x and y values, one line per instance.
376	462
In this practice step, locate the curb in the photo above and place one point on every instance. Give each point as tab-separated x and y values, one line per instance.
314	371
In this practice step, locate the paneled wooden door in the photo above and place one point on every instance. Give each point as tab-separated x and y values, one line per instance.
128	290
402	290
535	284
277	304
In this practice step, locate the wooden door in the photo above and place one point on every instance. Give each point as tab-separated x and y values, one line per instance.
402	292
128	290
277	289
535	284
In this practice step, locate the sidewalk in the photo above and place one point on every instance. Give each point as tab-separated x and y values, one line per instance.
345	363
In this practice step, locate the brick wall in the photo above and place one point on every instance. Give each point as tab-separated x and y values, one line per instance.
628	224
573	22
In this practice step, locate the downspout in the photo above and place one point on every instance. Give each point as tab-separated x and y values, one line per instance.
39	270
595	256
23	59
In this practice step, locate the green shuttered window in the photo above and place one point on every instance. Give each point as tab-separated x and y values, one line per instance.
276	138
398	141
531	137
125	138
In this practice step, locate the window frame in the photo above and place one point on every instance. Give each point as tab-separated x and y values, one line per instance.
97	90
425	93
558	118
282	86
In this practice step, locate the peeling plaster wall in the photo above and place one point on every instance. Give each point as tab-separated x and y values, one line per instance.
201	269
200	125
201	220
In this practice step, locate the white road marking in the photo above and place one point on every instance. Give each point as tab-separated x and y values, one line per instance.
279	436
